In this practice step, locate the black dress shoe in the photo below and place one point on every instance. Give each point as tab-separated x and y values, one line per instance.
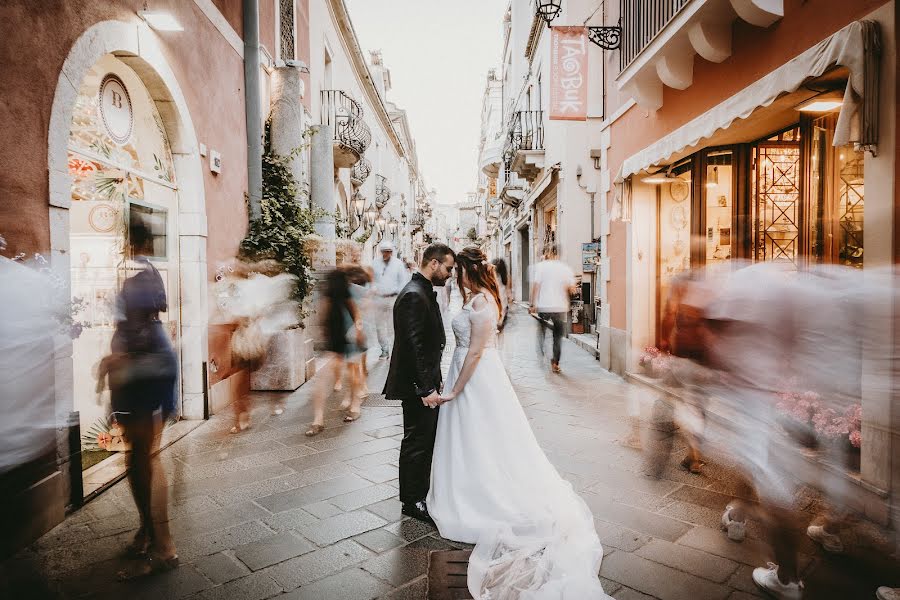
417	510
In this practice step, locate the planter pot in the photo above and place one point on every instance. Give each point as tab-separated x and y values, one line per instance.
285	366
802	435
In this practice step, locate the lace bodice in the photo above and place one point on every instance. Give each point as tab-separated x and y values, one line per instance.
463	321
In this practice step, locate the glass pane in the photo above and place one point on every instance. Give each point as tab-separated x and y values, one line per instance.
818	190
674	230
719	173
851	200
777	201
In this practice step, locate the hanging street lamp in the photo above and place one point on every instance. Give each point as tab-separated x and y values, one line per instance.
371	214
549	10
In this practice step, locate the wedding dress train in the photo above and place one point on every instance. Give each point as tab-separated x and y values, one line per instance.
492	485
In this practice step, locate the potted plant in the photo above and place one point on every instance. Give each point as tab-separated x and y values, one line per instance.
284	232
653	361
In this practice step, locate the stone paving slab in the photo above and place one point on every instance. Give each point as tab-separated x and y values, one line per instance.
659	580
312	493
353	584
342	526
272	550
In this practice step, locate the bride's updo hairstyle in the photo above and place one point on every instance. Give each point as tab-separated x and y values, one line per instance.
479	274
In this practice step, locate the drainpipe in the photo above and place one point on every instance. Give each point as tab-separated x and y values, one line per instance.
253	106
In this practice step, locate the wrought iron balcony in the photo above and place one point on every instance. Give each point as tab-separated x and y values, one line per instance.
360	172
641	21
526	143
527	131
512	191
351	133
382	191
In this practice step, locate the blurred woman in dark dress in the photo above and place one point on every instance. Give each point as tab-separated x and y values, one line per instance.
142	370
344	334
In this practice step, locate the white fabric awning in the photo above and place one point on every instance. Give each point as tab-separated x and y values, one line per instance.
855	47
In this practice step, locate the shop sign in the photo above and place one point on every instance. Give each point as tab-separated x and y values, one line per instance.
590	253
116	111
568	73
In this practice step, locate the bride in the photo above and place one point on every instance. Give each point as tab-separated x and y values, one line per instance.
491	484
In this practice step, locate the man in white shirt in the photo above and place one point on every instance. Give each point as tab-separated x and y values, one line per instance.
390	277
552	284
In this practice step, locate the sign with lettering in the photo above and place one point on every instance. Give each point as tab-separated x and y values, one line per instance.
568	73
115	109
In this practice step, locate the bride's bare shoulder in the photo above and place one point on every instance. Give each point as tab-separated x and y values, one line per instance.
482	301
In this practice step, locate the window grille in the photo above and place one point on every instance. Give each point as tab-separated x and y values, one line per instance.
286	19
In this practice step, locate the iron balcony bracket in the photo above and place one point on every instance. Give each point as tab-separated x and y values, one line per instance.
608	38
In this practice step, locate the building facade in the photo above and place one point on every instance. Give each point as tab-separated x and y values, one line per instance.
766	131
540	168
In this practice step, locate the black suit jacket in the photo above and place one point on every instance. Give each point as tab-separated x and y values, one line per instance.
419	342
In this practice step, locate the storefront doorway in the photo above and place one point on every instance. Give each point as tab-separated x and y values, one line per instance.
790	197
122	170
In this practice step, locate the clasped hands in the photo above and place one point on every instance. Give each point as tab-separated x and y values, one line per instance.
435	399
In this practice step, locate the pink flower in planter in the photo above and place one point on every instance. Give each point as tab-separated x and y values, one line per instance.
856	439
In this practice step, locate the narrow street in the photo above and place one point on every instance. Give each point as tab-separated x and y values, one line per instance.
271	511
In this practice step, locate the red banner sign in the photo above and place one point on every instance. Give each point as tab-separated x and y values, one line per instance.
568	73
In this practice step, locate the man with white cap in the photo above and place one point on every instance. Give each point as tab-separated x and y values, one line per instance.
390	277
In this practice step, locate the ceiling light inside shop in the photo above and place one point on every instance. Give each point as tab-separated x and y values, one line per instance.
660	178
827	102
712	179
160	21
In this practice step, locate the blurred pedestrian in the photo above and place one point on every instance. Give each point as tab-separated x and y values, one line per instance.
390	277
257	298
360	286
344	336
552	285
142	371
684	333
506	295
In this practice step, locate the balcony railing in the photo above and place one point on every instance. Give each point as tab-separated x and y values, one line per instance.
360	172
382	191
346	116
642	20
527	130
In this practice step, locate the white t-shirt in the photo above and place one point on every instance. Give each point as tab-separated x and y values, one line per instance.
391	276
554	278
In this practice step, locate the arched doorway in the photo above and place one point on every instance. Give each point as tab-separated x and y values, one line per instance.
122	170
169	193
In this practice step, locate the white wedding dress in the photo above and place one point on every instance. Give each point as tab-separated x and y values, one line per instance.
492	486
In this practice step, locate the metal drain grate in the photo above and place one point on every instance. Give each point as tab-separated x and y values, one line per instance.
380	400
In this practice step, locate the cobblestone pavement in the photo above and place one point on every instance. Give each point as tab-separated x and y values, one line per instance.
272	513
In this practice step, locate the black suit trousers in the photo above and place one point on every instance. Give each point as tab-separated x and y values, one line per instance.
416	449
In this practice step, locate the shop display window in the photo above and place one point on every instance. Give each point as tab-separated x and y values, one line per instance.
777	198
675	218
718	189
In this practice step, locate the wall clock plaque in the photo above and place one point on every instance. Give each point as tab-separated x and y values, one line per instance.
115	109
103	218
679	190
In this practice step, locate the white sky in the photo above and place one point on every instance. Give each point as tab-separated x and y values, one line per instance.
438	53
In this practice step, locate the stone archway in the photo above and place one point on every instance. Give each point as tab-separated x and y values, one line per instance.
136	46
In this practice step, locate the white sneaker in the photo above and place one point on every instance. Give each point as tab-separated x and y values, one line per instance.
737	530
830	542
887	593
767	579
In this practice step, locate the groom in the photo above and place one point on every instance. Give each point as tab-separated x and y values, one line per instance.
415	374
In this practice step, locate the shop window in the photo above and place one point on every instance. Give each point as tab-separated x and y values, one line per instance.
674	227
719	186
777	197
121	167
836	198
